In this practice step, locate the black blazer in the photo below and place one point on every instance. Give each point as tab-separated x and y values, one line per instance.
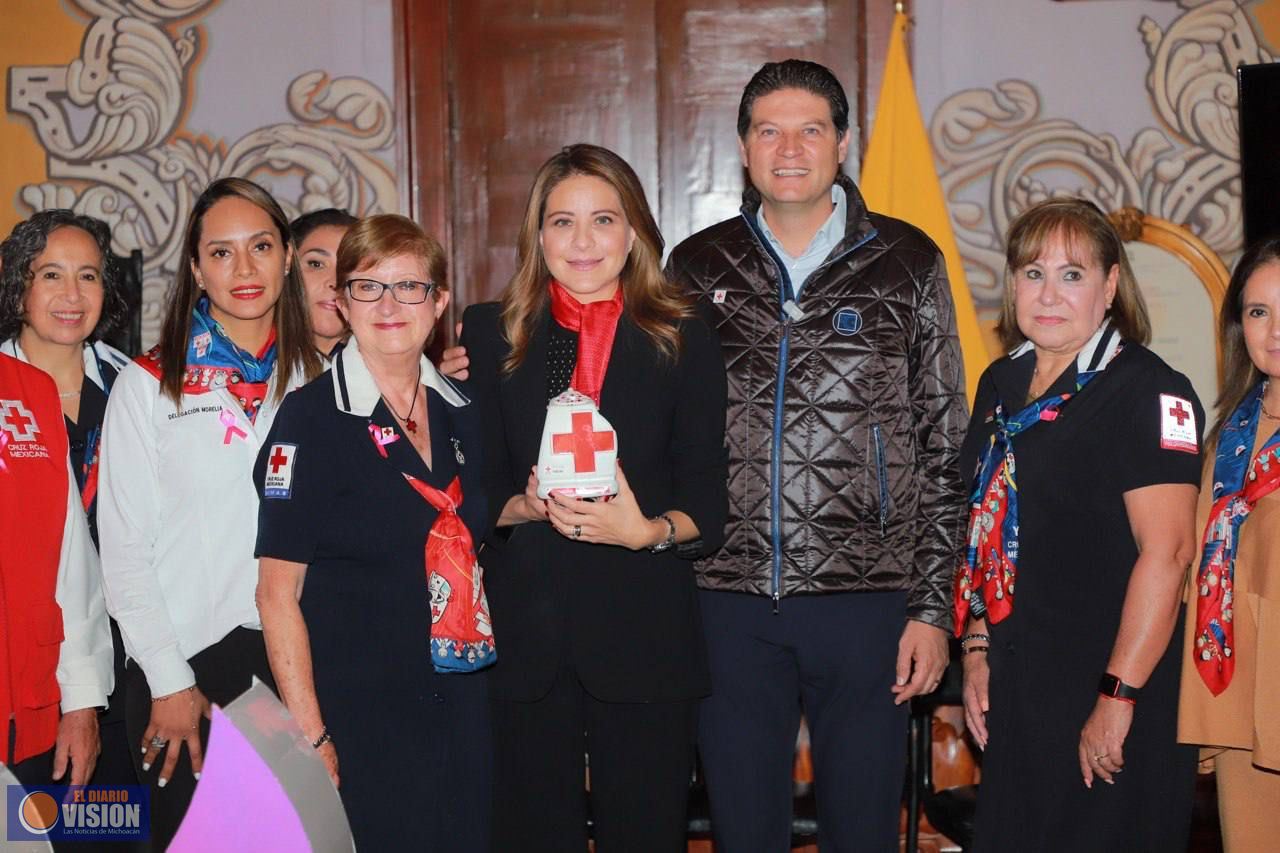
627	621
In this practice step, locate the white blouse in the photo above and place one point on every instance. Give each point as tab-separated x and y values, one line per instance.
177	521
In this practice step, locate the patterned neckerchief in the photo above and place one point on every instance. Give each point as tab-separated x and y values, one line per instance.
985	581
1238	484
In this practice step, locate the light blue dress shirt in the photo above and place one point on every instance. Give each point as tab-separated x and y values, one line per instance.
827	238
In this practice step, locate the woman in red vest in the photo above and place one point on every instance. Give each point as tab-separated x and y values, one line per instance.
61	290
55	647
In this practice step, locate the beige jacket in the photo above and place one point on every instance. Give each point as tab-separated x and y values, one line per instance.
1247	714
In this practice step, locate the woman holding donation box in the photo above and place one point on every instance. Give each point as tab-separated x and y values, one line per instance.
596	611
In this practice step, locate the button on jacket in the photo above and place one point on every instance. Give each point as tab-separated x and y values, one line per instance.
846	411
178	517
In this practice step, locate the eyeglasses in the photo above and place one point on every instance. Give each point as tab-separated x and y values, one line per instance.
404	292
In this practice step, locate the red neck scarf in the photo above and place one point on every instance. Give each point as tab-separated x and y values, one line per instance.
595	323
461	630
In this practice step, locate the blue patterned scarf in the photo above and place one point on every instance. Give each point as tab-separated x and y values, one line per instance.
1238	484
984	584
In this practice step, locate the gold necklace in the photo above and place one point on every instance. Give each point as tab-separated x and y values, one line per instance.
1262	401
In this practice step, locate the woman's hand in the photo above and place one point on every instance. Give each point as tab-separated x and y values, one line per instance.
524	507
1102	740
175	720
618	521
977	675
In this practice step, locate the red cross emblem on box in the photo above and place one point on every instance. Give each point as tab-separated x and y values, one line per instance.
579	454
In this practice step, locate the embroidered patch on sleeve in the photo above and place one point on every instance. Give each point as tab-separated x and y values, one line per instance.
278	482
1178	430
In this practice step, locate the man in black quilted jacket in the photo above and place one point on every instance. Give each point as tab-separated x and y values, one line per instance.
846	414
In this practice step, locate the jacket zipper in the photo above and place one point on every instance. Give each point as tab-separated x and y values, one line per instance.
775	474
882	474
779	395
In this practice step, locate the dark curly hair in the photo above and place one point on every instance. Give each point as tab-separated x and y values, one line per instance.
24	245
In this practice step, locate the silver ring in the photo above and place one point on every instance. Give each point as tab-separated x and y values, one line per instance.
577	531
159	742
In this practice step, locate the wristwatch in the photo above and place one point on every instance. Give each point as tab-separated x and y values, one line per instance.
1112	687
671	535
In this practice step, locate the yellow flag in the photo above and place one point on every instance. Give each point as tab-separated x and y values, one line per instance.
899	179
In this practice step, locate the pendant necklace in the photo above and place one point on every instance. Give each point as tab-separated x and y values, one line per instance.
409	423
1263	404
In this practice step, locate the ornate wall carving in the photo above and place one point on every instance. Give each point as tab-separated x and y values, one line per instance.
110	123
1185	170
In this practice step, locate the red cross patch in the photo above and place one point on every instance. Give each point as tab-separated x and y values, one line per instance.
1178	429
277	481
17	420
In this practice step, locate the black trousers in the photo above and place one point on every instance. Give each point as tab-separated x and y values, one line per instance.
832	656
641	758
223	671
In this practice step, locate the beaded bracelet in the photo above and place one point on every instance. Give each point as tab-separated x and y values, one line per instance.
967	637
171	695
324	738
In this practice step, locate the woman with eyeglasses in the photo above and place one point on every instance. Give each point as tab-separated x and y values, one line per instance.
176	507
376	622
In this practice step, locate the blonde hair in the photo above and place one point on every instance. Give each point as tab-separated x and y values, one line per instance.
653	303
1081	225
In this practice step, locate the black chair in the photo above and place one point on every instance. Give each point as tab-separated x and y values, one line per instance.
951	810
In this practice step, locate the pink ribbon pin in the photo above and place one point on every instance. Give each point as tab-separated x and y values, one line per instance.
229	421
4	441
382	436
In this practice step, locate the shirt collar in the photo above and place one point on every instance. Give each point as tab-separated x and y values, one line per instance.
1096	354
90	354
355	392
828	235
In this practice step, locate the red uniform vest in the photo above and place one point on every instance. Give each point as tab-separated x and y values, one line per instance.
33	507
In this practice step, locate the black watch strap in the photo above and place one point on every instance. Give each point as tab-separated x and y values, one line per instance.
1111	686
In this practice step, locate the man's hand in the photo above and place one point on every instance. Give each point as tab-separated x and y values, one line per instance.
454	361
922	658
78	744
